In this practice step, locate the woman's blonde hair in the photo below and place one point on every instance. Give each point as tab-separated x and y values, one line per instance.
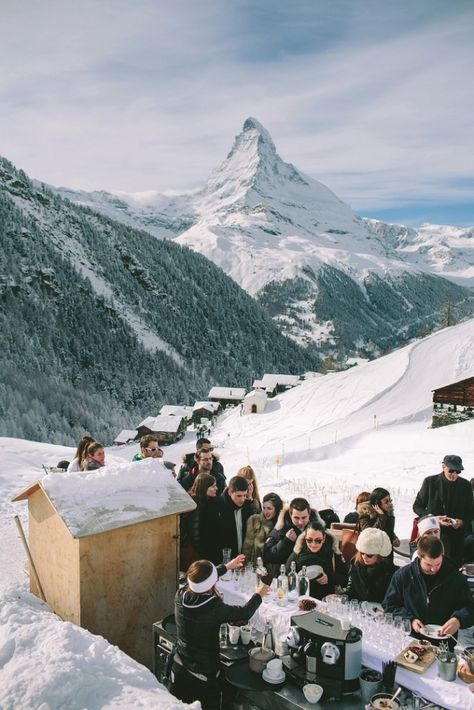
248	473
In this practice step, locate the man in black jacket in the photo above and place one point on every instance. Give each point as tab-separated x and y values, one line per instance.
292	521
234	510
449	498
430	590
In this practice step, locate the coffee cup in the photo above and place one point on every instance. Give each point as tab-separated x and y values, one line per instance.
234	634
245	634
274	667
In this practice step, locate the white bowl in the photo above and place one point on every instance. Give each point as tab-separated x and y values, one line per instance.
312	692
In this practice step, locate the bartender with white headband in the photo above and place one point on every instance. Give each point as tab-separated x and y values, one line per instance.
199	612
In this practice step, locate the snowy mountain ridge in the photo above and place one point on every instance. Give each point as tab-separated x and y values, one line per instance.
290	242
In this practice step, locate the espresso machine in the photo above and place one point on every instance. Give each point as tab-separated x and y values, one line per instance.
337	650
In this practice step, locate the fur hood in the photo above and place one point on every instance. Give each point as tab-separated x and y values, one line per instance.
299	544
284	517
365	509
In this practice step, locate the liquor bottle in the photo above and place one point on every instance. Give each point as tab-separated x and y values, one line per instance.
303	582
268	636
282	587
310	651
292	577
260	571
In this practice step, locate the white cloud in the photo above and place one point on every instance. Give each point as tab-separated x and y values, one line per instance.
146	95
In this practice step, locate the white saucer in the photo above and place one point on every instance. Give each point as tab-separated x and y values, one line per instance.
431	632
274	679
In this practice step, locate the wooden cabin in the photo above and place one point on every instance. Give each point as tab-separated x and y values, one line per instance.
275	383
176	410
125	437
204	410
167	429
226	395
105	545
453	403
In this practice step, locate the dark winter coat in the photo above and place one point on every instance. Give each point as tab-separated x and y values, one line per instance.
278	547
328	557
227	533
190	469
200	528
432	499
370	582
407	595
198	618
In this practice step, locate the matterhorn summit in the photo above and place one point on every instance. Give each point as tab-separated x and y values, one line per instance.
325	275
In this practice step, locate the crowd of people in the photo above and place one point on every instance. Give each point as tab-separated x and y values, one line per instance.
232	517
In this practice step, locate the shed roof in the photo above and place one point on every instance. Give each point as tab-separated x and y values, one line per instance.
162	423
227	393
117	495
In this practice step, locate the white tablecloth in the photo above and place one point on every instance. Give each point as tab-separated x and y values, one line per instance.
453	696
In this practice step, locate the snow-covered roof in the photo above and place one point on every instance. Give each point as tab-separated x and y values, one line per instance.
125	435
176	410
256	394
119	494
210	406
162	423
236	393
272	380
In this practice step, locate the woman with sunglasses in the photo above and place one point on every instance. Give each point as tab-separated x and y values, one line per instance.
372	567
318	551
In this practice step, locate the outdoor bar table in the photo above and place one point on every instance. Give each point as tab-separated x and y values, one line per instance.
453	695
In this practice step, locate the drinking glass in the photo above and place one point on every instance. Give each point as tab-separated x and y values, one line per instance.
226	555
354	610
407	627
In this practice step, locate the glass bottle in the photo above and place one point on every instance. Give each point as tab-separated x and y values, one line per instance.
260	571
292	578
282	586
303	582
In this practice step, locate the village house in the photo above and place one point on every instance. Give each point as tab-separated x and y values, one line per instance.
175	410
453	403
226	395
275	383
204	411
125	437
167	429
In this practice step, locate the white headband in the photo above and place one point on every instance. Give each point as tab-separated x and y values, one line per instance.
206	584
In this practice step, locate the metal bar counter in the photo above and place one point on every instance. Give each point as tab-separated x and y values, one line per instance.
453	695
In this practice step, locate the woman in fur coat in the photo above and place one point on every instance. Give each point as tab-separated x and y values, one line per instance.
318	551
259	527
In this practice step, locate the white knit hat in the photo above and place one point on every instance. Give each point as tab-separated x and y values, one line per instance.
427	523
373	541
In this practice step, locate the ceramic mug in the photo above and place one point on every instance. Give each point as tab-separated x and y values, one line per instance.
274	667
234	634
245	634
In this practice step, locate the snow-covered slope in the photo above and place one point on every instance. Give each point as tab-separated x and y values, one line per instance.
288	240
327	439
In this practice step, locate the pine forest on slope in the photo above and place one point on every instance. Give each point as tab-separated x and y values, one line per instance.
101	324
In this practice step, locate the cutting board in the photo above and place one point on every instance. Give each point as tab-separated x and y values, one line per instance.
421	664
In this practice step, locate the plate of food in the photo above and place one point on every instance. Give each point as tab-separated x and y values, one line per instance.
432	631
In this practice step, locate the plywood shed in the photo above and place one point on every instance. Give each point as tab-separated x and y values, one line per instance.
105	545
254	402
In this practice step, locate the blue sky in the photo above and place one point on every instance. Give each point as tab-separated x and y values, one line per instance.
373	98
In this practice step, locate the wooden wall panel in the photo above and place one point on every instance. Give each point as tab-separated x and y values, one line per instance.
128	581
56	557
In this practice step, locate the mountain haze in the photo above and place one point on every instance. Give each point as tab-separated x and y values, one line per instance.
102	324
324	274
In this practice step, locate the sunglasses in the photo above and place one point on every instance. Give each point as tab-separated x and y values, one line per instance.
452	470
315	540
151	450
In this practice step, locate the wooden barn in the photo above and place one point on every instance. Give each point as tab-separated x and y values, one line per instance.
453	403
105	546
204	410
125	436
167	429
275	383
226	395
176	410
